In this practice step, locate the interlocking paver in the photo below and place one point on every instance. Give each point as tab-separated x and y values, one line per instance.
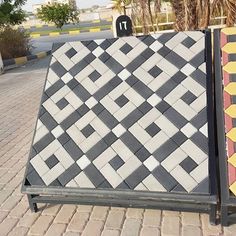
41	225
93	227
131	227
149	231
78	222
56	229
20	92
7	225
99	213
18	231
115	219
170	225
65	214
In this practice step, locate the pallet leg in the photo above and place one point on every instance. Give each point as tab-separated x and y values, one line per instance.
212	216
224	216
33	206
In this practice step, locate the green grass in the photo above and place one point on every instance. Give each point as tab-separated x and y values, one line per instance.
46	32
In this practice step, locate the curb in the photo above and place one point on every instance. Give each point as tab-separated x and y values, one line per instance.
23	60
73	32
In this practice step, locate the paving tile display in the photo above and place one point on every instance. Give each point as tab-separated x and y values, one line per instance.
228	47
127	114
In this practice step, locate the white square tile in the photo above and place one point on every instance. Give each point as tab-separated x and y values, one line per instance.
188	69
98	52
154	100
124	74
91	102
119	130
83	162
189	130
156	46
151	163
57	131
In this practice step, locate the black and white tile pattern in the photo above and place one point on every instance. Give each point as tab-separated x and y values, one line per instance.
126	113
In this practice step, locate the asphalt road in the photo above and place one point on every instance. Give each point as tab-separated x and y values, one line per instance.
69	26
45	43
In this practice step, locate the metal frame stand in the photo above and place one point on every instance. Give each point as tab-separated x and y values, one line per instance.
205	202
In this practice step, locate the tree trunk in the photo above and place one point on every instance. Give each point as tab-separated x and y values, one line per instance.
191	21
231	12
178	9
150	14
157	9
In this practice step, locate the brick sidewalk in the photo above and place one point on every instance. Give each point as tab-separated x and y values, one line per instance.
20	92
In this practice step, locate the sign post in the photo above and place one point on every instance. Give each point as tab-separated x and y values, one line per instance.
123	26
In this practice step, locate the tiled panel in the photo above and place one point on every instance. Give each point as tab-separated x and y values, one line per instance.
228	47
124	113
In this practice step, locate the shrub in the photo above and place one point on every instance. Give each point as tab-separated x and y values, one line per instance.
14	43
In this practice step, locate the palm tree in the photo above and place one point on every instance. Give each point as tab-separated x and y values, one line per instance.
230	9
118	4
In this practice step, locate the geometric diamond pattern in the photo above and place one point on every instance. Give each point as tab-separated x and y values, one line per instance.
229	83
126	113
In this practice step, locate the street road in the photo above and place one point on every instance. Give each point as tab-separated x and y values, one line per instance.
69	26
44	43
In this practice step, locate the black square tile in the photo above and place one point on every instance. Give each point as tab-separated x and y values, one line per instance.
110	138
82	110
131	80
116	162
63	139
72	83
152	129
122	100
98	108
147	53
145	107
89	58
104	57
70	53
94	76
87	131
188	42
188	97
105	44
51	161
142	154
155	71
92	46
162	106
179	138
178	77
148	40
188	164
126	48
62	103
164	51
